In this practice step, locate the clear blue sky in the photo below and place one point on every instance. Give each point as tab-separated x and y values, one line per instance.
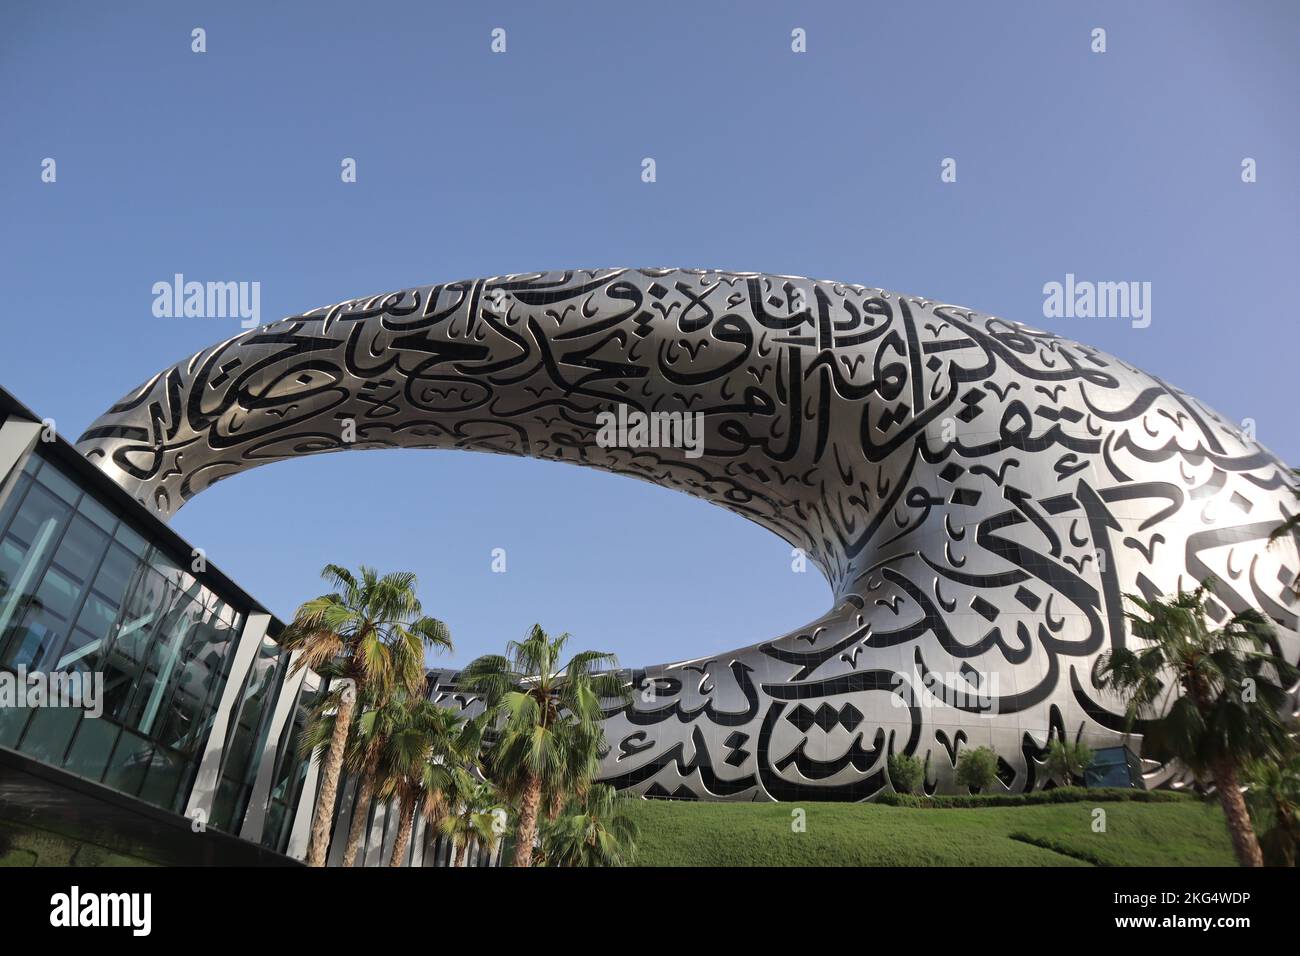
225	166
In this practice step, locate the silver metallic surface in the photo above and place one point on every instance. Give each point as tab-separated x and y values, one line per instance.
979	494
17	438
286	701
204	792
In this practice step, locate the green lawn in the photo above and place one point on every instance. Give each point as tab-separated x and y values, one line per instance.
1183	833
24	845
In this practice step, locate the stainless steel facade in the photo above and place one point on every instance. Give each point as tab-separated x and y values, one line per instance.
980	494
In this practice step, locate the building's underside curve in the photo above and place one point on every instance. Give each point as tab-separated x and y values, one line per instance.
980	495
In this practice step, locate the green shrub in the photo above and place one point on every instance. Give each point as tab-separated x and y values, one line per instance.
1066	762
905	773
977	768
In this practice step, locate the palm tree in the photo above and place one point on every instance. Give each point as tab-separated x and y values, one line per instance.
582	763
456	771
371	737
1067	762
1274	795
1226	689
371	633
360	744
322	719
373	723
549	715
476	817
593	831
423	756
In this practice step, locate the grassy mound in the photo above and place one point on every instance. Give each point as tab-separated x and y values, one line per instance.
1174	832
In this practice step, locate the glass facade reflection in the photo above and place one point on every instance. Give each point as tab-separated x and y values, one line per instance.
249	727
290	776
85	591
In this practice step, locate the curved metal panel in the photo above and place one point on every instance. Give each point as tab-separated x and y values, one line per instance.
980	494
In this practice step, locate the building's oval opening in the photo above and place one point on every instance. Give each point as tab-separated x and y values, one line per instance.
499	543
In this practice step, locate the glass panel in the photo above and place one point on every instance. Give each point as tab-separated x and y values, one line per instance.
131	540
165	654
49	733
39	508
125	665
291	773
114	577
36	635
275	820
58	594
59	483
209	651
12	722
89	754
82	546
169	570
127	766
227	613
164	778
249	730
81	652
11	562
32	536
14	501
81	590
97	616
97	513
223	804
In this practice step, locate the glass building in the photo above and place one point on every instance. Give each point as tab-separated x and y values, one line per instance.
200	710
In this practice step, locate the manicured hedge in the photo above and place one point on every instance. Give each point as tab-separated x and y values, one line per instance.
1057	795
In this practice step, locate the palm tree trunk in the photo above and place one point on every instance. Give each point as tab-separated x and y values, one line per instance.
406	808
1234	811
460	853
329	788
1290	836
360	817
528	807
